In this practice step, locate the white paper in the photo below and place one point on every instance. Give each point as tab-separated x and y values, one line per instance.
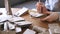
39	29
5	26
53	25
34	10
18	29
14	19
34	13
20	12
3	11
28	31
57	30
11	26
51	31
4	17
23	23
54	28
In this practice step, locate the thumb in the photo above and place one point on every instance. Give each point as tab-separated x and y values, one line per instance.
44	19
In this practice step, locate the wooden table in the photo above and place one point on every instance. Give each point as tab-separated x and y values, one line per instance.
35	21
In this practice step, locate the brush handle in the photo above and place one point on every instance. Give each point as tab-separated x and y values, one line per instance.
39	0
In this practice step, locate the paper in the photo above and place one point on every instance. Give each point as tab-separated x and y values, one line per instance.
8	25
54	28
11	26
5	26
23	23
53	25
34	10
39	29
34	13
18	29
57	30
3	11
4	17
20	12
28	31
51	31
15	19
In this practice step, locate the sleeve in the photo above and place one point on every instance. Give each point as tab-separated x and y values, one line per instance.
47	5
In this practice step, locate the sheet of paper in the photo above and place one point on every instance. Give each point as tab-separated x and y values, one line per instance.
23	23
34	13
4	17
5	26
18	29
11	26
3	10
20	12
53	25
14	19
54	28
39	29
57	30
34	9
51	31
28	31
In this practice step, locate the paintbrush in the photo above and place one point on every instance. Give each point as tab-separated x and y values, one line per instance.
39	0
41	7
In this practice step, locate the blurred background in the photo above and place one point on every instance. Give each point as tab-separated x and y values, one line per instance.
21	3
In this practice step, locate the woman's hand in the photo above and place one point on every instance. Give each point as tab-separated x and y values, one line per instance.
41	8
53	16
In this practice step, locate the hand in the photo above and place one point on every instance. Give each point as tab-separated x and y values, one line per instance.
52	17
38	6
41	8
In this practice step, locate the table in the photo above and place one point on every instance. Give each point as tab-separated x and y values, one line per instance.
35	21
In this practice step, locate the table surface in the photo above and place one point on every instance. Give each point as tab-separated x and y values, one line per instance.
35	21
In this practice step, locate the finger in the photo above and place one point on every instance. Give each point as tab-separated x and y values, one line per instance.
46	18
